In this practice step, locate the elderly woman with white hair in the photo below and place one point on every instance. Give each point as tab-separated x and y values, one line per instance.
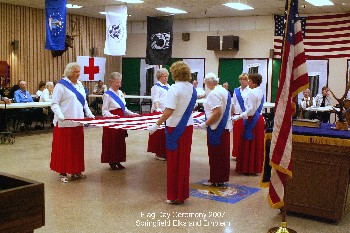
156	141
69	102
46	96
113	140
217	108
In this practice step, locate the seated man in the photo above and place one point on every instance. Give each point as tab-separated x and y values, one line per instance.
29	114
3	121
225	85
99	89
306	102
323	100
200	95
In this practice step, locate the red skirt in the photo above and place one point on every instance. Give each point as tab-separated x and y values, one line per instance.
113	143
238	130
178	167
251	152
219	159
156	143
67	154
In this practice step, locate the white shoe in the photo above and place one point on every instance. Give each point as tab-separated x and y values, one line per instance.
64	179
208	183
79	176
160	158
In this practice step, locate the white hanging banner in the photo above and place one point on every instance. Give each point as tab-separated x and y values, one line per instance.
116	32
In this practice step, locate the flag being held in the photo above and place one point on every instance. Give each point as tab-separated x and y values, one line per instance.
293	79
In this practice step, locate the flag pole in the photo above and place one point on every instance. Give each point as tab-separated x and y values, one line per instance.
283	228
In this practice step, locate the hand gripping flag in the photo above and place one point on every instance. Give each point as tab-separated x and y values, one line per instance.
293	79
159	40
55	24
116	32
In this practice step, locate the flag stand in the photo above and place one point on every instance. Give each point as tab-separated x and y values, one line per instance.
283	228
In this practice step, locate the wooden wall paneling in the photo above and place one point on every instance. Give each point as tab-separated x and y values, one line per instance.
32	61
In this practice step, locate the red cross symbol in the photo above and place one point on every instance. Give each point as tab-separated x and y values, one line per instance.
91	70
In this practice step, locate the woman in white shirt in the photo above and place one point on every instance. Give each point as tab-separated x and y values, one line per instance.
180	102
46	96
113	140
238	98
156	141
217	108
251	142
69	102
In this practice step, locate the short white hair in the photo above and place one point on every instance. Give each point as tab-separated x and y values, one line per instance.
68	71
211	77
49	84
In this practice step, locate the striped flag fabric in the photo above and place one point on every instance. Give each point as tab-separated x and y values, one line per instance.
293	79
141	122
325	36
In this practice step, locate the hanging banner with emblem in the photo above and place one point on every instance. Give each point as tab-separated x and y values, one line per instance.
55	24
116	33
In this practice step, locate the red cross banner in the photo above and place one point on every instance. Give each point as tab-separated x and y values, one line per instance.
91	68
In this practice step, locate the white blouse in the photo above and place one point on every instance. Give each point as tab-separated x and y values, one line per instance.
110	104
217	98
235	103
159	94
252	102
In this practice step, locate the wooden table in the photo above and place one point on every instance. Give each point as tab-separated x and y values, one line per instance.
321	173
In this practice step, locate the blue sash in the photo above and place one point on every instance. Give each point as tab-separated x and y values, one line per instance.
240	98
249	126
164	87
171	139
70	86
117	99
214	136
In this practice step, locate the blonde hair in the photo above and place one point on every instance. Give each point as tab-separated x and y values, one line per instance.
243	76
180	71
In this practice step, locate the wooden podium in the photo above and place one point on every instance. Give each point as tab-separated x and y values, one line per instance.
22	204
321	173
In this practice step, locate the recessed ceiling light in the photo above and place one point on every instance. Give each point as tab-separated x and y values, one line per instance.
103	13
238	6
171	10
320	2
73	6
130	1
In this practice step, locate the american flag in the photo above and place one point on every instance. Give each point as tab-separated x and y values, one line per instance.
325	36
141	122
293	79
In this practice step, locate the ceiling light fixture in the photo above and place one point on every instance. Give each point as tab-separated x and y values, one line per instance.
73	6
320	2
171	10
238	6
130	1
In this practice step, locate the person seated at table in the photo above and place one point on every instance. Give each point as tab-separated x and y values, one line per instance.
4	100
323	100
30	114
306	102
40	90
99	89
46	96
200	95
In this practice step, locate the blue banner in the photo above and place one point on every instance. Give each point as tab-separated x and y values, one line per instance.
55	24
